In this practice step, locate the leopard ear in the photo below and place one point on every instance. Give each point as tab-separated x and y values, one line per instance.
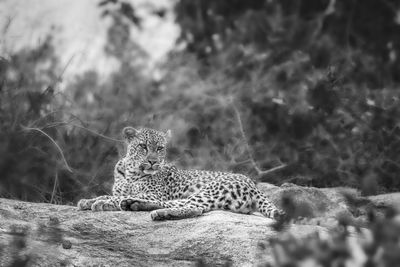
168	135
129	133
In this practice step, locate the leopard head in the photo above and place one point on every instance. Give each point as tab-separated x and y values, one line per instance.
146	148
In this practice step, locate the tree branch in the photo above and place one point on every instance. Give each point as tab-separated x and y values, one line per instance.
54	142
246	143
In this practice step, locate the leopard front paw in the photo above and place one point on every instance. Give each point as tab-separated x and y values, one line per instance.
85	204
104	205
135	204
129	204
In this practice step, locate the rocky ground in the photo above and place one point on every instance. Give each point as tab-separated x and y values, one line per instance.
56	235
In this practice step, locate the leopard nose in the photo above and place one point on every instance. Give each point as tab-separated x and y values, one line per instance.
152	162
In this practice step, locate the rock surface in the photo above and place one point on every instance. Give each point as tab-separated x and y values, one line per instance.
59	235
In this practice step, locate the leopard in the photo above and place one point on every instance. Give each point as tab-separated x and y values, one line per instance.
145	181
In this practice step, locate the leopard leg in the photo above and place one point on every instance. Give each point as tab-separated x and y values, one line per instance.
266	207
179	209
176	213
86	204
141	202
138	204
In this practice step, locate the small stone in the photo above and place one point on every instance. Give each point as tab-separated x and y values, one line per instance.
19	206
54	220
66	244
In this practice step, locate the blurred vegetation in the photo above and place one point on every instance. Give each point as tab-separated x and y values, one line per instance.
30	247
366	241
252	85
315	81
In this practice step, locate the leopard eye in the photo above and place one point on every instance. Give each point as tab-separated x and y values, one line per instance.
143	146
160	148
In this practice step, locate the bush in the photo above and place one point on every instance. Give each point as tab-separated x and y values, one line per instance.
44	156
344	245
315	81
259	84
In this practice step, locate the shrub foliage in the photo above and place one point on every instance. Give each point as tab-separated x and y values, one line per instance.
309	84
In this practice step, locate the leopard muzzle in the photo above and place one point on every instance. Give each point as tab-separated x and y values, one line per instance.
150	167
